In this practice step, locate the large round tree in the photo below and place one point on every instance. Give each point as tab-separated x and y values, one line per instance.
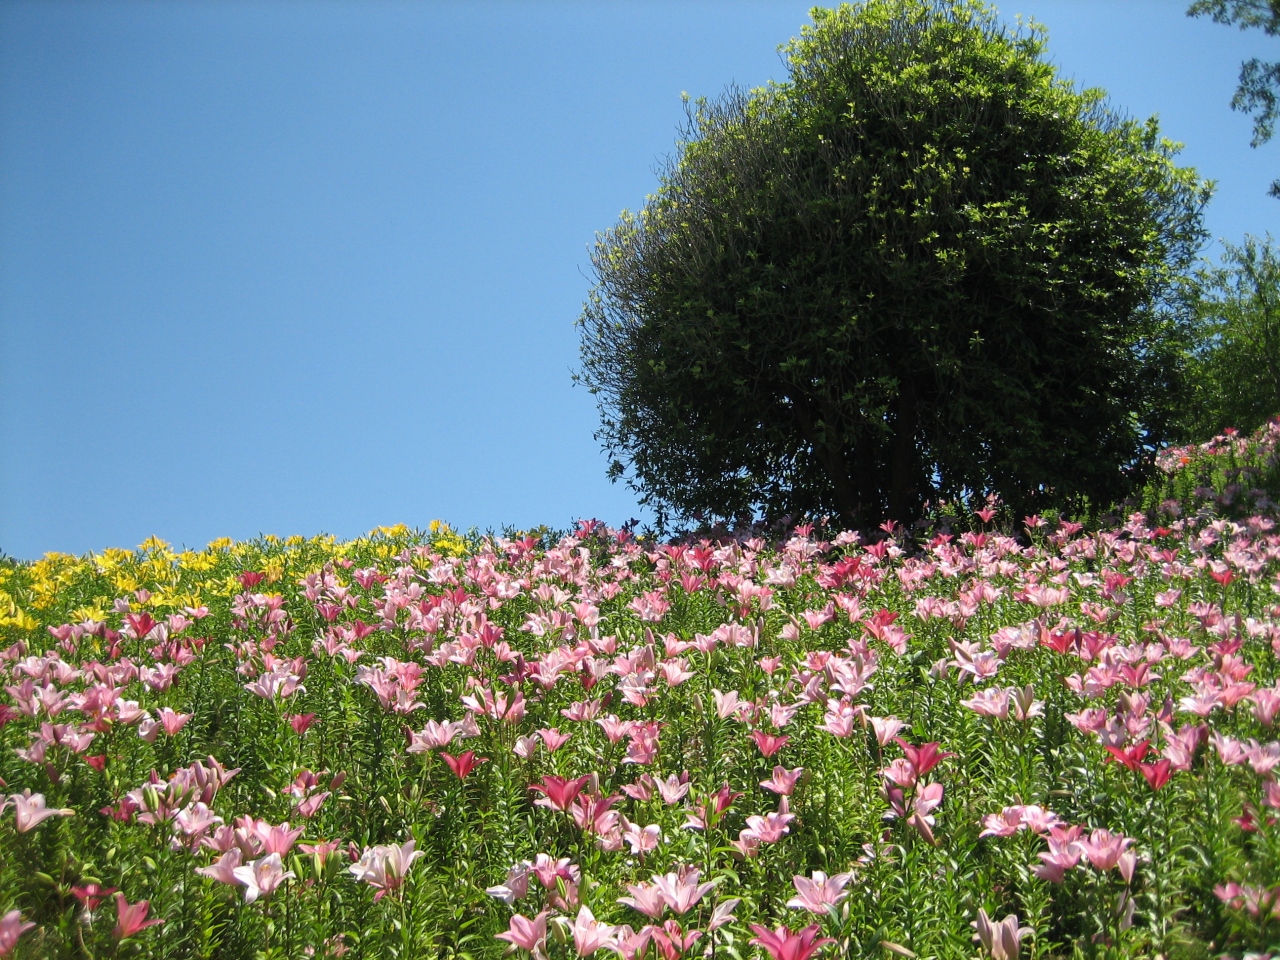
922	266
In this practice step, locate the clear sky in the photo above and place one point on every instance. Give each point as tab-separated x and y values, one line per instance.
272	267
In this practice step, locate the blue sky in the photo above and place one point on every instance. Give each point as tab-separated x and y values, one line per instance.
313	267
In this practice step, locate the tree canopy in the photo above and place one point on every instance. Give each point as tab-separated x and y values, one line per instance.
1259	80
922	266
1235	331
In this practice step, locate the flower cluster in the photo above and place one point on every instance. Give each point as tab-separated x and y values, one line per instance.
594	742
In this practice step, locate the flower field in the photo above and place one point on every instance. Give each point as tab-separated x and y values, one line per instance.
993	738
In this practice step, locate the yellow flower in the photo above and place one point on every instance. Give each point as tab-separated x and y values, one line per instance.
274	569
92	611
197	562
11	616
125	583
220	544
109	559
188	599
153	543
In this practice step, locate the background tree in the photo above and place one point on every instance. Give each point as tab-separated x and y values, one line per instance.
1235	362
1259	80
921	266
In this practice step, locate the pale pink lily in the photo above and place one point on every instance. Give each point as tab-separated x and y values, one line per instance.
1063	854
681	891
1024	703
589	934
553	738
261	877
30	811
433	736
641	790
223	869
723	913
1039	820
528	935
646	898
818	893
641	839
631	944
1002	940
992	702
384	866
516	884
771	827
840	717
673	789
885	729
12	926
195	819
923	804
1012	819
1003	824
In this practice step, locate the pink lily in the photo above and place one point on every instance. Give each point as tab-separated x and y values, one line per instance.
819	893
91	895
516	884
681	890
1106	851
30	811
646	898
223	869
463	763
885	729
631	944
553	739
530	935
132	918
783	780
782	944
433	736
172	721
589	935
923	804
558	792
672	941
924	757
1001	941
769	744
641	839
771	827
673	789
12	927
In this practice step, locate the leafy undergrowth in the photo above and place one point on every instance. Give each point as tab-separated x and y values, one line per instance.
419	745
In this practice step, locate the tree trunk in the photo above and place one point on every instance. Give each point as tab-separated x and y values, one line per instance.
904	490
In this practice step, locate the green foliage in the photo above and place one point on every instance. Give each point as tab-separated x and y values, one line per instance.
1235	363
1233	474
921	267
1259	80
